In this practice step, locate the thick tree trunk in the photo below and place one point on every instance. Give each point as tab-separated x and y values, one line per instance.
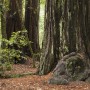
32	22
74	18
71	27
84	18
77	23
14	17
56	32
46	59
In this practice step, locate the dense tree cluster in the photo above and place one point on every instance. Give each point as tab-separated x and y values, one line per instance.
12	19
66	28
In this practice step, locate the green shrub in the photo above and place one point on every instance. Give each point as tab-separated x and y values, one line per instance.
13	50
19	39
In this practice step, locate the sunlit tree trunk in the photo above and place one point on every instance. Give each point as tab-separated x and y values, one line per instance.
46	59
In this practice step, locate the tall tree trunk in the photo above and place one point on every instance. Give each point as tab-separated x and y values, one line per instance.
56	32
32	22
71	27
14	17
74	17
84	19
46	60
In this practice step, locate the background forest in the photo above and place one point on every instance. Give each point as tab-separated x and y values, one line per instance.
53	35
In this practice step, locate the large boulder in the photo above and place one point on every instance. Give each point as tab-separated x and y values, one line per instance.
71	67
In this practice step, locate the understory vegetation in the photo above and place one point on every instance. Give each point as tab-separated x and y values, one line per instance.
14	50
45	39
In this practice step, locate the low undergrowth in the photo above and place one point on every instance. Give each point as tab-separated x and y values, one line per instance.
13	51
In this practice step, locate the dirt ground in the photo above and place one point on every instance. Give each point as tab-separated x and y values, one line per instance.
35	82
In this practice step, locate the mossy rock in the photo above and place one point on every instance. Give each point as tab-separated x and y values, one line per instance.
75	67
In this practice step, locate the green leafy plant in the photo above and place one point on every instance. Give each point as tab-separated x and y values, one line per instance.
13	50
19	39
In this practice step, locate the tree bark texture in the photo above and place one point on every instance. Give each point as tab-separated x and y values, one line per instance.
14	17
84	19
32	22
71	29
46	60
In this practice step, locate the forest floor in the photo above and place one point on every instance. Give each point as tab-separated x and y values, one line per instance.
36	82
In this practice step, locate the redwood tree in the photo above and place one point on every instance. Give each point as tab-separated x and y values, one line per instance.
46	59
32	22
84	20
69	21
14	17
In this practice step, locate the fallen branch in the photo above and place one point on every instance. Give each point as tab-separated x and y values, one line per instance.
18	75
